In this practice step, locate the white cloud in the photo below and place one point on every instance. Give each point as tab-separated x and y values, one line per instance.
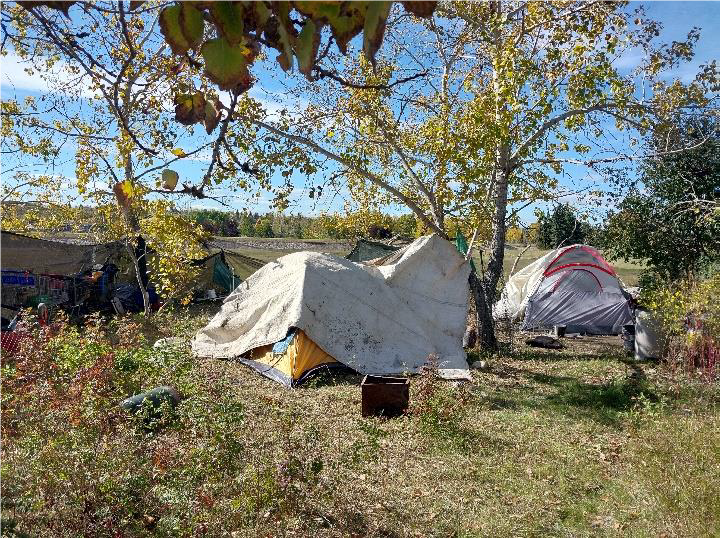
631	59
13	76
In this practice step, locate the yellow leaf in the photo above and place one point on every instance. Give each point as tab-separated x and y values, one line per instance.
178	152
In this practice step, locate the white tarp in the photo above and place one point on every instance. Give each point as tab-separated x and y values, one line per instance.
376	320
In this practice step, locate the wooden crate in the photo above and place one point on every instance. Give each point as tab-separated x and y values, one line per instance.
384	396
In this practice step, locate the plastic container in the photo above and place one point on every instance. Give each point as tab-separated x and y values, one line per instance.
649	335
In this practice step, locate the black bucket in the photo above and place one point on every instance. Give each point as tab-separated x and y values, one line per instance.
154	398
628	338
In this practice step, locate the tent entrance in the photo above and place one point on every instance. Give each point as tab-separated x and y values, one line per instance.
290	361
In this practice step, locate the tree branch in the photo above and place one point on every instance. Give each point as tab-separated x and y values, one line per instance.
324	73
358	170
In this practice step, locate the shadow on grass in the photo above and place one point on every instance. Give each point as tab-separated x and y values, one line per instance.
452	436
331	377
605	402
548	355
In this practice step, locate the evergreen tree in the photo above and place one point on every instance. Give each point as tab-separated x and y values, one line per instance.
559	227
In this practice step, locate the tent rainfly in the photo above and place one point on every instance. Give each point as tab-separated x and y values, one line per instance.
366	250
307	310
223	271
572	286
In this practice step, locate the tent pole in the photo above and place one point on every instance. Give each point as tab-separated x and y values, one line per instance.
470	246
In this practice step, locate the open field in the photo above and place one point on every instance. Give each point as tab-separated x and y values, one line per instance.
271	249
628	272
578	442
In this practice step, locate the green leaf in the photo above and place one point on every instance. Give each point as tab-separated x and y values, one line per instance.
171	29
374	30
285	34
227	65
306	47
346	19
170	179
228	17
261	14
322	10
191	24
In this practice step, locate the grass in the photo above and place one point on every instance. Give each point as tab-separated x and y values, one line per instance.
577	442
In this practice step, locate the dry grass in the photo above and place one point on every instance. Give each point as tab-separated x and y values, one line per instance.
577	442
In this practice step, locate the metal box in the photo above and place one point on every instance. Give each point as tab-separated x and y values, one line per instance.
384	396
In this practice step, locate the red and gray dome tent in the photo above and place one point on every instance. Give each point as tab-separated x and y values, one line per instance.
572	286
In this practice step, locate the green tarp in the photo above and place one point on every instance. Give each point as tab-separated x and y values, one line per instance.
366	250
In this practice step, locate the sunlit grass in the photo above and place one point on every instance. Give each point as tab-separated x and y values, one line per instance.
574	442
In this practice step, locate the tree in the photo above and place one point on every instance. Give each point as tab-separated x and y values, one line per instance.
559	227
112	49
506	95
263	227
671	221
108	91
240	30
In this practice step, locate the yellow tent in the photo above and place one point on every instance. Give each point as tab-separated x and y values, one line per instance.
291	360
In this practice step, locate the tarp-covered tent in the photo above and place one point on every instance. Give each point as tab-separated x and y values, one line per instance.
572	286
365	250
41	256
376	320
223	271
40	270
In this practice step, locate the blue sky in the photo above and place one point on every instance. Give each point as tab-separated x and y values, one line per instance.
677	19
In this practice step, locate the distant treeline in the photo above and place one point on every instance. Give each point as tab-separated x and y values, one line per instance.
552	228
251	224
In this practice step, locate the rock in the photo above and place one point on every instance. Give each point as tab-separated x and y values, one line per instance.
172	341
479	365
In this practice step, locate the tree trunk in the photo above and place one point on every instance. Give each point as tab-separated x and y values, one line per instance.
141	267
485	297
139	277
483	315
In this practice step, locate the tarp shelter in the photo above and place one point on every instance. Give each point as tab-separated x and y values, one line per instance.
223	271
40	270
366	250
379	320
572	286
42	256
